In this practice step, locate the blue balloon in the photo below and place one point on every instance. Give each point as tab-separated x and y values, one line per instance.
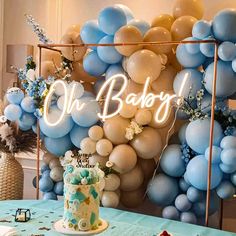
28	104
234	65
24	127
14	95
225	190
46	184
198	135
59	130
188	217
208	49
46	173
88	114
207	62
34	128
59	188
181	133
197	170
110	19
183	185
228	156
13	112
49	196
227	51
171	213
228	169
142	25
182	203
224	25
228	142
201	29
216	151
128	13
192	48
233	178
93	64
34	181
44	167
162	190
90	33
108	54
27	119
58	146
195	195
186	178
192	78
77	134
187	59
173	155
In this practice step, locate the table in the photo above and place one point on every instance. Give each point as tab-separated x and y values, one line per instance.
121	223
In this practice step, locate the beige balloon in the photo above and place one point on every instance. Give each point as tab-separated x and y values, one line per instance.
182	27
56	174
147	144
72	53
96	133
112	182
104	147
165	80
172	60
124	158
54	163
132	87
143	116
124	63
148	166
110	199
88	146
49	55
193	8
143	64
115	129
73	28
47	157
47	69
128	34
132	180
158	34
128	110
163	20
96	158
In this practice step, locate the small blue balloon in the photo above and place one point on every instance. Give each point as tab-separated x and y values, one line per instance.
34	181
228	156
46	173
169	190
77	134
186	178
108	54
216	151
142	25
173	155
192	48
58	146
49	196
225	190
201	29
233	178
46	184
59	188
44	167
14	95
181	133
208	49
207	62
188	217
228	142
187	59
182	203
110	19
234	65
93	64
27	119
227	51
228	169
183	185
171	213
24	127
195	195
28	104
34	128
13	112
128	13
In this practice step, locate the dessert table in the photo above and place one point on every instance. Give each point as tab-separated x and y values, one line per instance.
121	223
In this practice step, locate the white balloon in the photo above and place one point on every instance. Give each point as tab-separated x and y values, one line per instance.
104	147
56	174
110	199
88	146
96	133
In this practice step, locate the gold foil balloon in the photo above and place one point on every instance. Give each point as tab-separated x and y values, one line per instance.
147	144
158	34
148	166
73	28
95	158
96	133
115	129
165	80
56	174
47	69
143	64
163	20
128	110
132	180
88	146
143	116
110	199
132	199
54	162
104	147
47	157
193	8
72	53
128	34
112	182
124	158
182	27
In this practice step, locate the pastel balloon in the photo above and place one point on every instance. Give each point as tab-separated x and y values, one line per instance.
47	157
96	132
163	20
110	19
27	119
183	185
197	173
104	147
128	110
54	162
12	112
182	203
181	133
148	166
228	142
56	174
158	34
169	190
95	158
195	195
76	88
225	81
77	134
75	27
188	217
234	65
110	199
112	182
225	190
192	48
49	196
201	129
14	95
173	155
24	127
216	153
49	55
46	184
228	156
58	146
88	146
28	104
126	10
182	27
136	69
147	144
59	188
208	49
233	178
124	158
171	213
143	116
227	51
132	180
142	25
201	29
228	169
115	129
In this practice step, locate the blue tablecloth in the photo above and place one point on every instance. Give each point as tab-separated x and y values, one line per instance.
121	223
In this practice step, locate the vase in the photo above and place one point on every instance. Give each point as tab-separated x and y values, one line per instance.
11	178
